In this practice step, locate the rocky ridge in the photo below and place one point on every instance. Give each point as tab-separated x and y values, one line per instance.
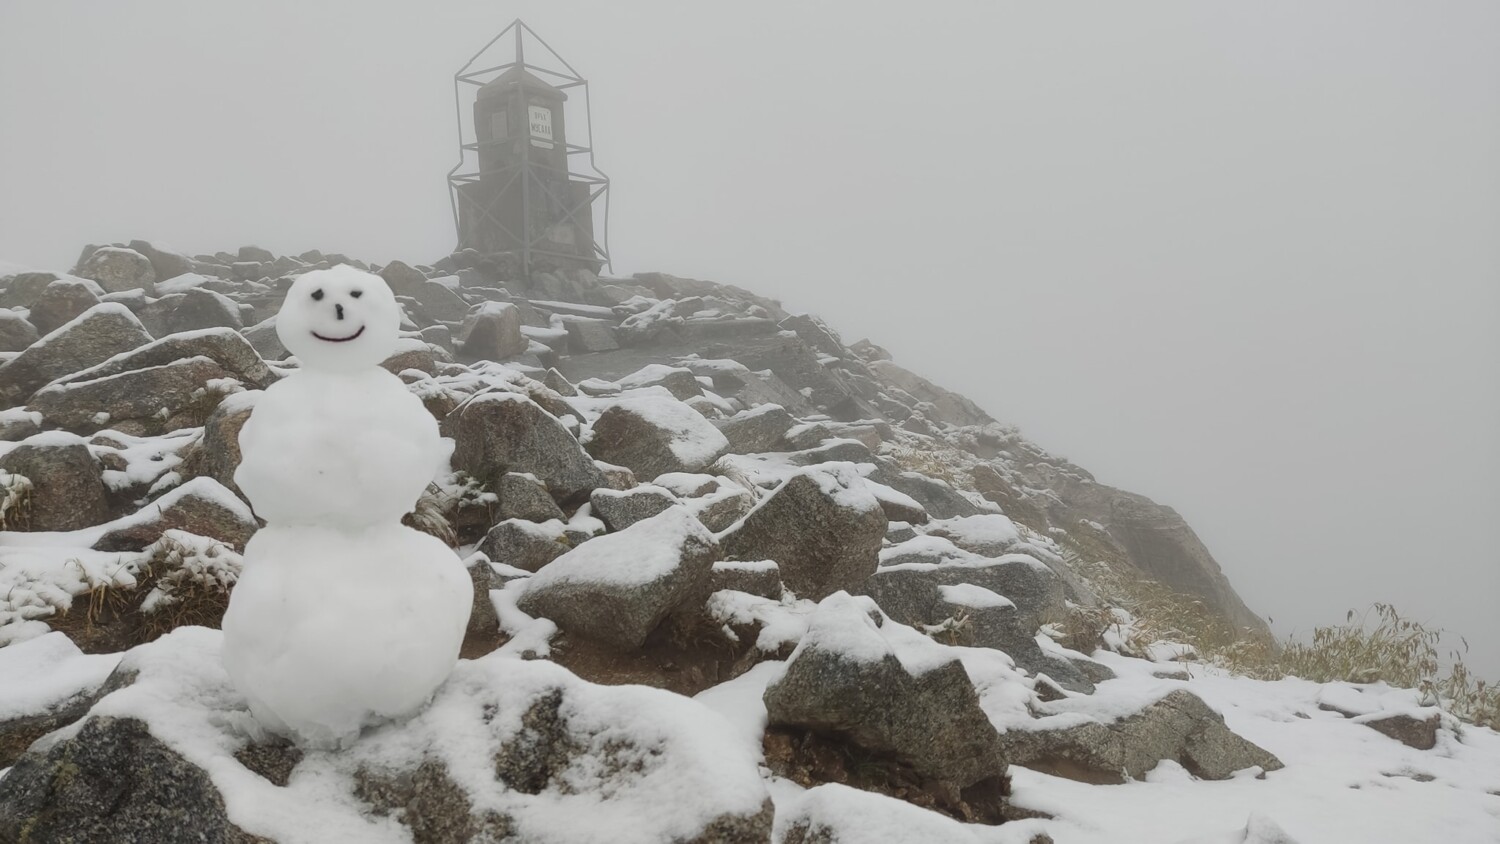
861	576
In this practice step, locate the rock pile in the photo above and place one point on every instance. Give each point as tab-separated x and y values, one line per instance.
657	480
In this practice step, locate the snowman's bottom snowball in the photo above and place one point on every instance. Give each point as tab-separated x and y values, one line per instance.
329	631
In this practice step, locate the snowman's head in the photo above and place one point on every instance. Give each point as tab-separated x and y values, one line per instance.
339	319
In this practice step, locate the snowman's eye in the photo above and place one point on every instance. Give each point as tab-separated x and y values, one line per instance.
318	295
355	294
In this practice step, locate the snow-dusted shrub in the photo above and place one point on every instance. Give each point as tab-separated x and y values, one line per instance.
189	579
1395	650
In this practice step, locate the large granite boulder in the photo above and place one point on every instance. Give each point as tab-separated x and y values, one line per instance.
822	527
619	509
217	453
156	399
67	487
525	545
620	587
200	308
848	678
22	289
403	279
978	602
653	435
759	429
96	335
524	496
117	270
16	333
165	263
201	506
501	432
224	346
492	331
113	781
61	302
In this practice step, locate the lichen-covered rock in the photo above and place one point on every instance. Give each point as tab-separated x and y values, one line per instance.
653	435
523	496
680	382
16	333
217	453
22	289
96	335
61	302
492	331
978	602
1416	733
525	545
67	488
1179	727
114	781
846	678
590	335
822	527
201	506
498	432
403	279
759	429
224	346
621	509
938	498
754	577
440	302
118	270
157	398
199	308
618	588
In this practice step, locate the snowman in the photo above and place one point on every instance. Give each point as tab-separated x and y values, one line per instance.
343	617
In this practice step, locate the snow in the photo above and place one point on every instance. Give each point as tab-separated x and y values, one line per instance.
653	766
1343	782
638	555
38	580
180	284
341	448
331	630
194	561
47	671
987	530
147	459
648	375
782	622
342	617
976	597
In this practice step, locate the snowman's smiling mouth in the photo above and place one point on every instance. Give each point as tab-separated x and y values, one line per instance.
353	336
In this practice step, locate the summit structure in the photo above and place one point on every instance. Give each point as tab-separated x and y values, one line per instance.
525	184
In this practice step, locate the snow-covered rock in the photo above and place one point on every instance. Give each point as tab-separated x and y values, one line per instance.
822	527
620	587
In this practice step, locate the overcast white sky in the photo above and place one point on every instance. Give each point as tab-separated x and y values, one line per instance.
1242	258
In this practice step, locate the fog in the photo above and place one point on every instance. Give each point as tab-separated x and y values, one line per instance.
1240	258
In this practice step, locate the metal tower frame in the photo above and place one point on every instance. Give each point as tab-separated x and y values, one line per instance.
525	170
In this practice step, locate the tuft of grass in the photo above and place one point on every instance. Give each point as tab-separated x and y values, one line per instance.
187	583
1396	650
15	502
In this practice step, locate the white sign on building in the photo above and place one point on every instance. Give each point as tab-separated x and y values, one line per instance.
541	126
